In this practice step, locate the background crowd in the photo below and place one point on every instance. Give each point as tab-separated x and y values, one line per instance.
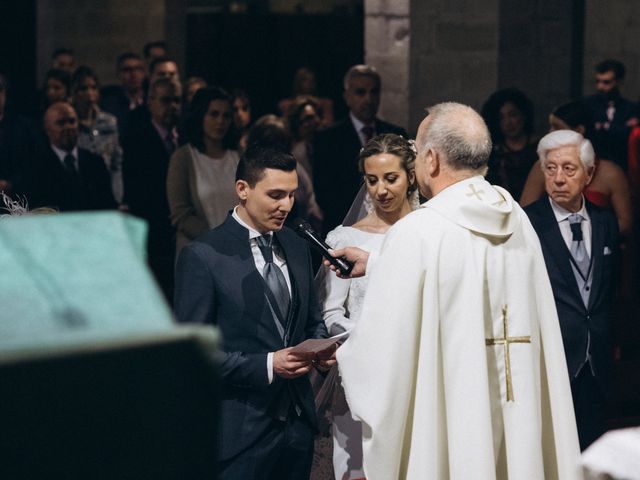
165	148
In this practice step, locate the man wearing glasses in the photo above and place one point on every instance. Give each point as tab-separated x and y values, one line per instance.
119	100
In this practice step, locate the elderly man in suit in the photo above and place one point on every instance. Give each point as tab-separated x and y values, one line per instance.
579	242
335	150
64	176
252	277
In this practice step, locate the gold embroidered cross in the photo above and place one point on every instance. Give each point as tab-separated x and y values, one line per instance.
506	340
474	192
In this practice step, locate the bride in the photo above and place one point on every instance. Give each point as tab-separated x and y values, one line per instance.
387	162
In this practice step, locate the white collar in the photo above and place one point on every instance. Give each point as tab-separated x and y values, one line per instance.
163	132
358	125
61	154
253	233
562	214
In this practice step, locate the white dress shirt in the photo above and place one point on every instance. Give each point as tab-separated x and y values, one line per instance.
358	125
61	154
562	217
278	259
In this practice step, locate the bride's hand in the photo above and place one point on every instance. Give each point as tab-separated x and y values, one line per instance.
355	255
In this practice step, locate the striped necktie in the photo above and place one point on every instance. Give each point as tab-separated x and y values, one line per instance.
578	249
273	276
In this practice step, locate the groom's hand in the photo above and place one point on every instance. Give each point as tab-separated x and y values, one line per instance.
287	364
355	255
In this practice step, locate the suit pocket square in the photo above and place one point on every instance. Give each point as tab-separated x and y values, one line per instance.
607	251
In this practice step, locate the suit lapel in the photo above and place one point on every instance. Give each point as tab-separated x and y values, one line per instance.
550	235
254	286
352	134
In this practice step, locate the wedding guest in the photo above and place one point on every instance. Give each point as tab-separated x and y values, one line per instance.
305	85
304	122
201	177
97	130
509	116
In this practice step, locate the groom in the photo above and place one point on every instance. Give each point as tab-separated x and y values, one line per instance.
252	278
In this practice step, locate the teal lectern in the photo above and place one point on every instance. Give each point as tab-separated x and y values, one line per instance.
96	380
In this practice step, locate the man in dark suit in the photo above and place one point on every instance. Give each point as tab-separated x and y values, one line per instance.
336	175
580	243
613	115
147	148
120	100
64	176
252	277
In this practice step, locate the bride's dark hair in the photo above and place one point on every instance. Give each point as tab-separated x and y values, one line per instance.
392	144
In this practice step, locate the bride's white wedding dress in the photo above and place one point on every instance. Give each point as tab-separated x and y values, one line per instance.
341	302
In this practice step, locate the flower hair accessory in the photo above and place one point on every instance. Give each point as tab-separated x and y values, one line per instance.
412	146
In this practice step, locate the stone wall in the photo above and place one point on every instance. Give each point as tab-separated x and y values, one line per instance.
386	27
97	30
535	52
454	53
431	51
612	30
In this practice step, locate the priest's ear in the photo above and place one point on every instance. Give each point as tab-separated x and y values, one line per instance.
432	162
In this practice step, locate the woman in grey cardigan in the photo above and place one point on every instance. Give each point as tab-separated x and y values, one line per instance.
201	178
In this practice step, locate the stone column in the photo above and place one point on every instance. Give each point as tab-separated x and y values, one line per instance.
429	51
536	45
386	40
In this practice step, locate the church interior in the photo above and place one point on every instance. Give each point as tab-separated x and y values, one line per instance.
97	378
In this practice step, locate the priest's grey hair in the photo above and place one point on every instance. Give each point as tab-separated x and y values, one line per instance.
565	138
459	132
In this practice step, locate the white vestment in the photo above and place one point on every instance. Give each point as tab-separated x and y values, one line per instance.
418	369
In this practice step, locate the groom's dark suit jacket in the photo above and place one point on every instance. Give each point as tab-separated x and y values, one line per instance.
217	283
576	319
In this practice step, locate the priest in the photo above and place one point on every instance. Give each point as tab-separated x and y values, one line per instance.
456	368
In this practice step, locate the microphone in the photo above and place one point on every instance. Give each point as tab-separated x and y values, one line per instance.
305	231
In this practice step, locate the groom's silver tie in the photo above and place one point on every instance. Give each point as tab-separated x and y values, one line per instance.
273	275
578	250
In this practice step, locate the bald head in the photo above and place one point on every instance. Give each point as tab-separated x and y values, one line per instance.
459	135
61	125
